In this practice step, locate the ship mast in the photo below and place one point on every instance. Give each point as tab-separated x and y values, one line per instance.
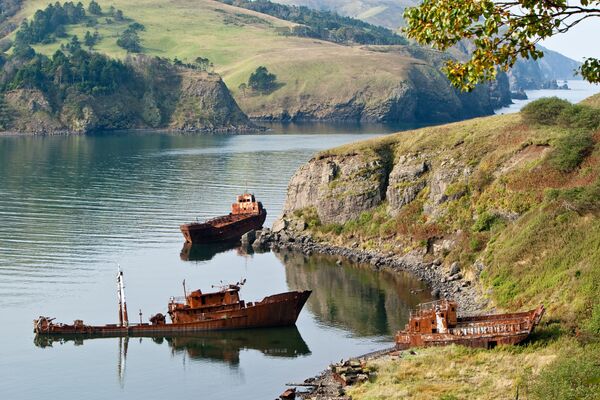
123	318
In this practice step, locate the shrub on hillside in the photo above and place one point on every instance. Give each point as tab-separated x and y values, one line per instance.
544	111
130	41
593	325
485	221
94	8
262	80
571	150
580	116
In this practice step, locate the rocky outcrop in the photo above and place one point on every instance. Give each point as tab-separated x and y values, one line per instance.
205	103
405	182
31	111
162	96
340	188
539	74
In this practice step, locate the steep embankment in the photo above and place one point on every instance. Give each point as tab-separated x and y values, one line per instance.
317	79
508	204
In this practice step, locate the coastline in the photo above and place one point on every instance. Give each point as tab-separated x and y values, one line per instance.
442	285
207	131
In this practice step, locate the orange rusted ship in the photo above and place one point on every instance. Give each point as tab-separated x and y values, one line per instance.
198	312
437	324
246	214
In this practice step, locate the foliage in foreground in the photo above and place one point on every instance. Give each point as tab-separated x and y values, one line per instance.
500	35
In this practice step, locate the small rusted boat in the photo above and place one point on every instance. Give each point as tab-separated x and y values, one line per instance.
196	312
437	324
246	214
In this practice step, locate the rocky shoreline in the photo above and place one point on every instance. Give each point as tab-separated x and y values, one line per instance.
443	284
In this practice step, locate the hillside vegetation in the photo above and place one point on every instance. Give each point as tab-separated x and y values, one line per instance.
386	13
514	201
319	79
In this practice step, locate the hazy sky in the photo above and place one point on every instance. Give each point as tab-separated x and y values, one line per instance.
581	41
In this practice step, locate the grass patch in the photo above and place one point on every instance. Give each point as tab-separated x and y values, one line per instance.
559	369
574	375
454	372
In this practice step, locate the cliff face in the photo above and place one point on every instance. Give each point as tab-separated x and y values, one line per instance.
205	103
537	74
340	187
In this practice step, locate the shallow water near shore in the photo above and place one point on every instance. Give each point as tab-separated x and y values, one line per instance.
73	207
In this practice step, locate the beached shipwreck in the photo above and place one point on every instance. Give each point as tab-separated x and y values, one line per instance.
437	324
246	214
196	312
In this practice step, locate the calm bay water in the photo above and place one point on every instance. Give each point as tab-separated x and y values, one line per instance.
72	208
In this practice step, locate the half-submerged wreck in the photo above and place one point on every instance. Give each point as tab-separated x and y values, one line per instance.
196	312
437	324
246	214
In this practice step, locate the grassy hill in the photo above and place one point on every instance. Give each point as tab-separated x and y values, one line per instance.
318	78
387	13
515	201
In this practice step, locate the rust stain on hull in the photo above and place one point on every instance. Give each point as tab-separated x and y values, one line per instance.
437	324
246	214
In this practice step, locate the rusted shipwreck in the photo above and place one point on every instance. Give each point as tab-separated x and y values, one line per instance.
246	214
196	312
437	324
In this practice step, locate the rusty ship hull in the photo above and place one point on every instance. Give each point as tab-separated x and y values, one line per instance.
227	228
441	327
273	311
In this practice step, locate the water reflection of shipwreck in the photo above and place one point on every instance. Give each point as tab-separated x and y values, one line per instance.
221	310
222	346
207	251
246	214
437	324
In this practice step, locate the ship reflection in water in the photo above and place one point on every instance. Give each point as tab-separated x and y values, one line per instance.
354	296
221	346
207	251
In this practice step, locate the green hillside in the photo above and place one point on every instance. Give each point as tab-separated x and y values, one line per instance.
319	79
386	13
515	201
